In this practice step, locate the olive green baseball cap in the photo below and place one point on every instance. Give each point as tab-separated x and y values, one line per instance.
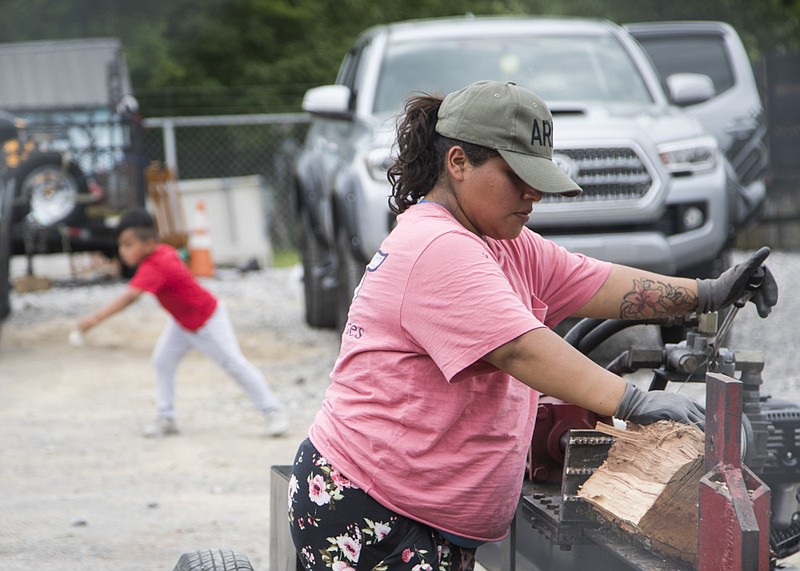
515	122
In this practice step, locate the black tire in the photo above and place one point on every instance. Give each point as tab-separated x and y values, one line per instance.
34	181
213	560
349	272
320	302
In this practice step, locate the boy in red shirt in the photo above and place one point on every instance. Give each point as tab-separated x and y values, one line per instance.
198	320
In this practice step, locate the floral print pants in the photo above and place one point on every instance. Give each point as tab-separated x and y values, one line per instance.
336	526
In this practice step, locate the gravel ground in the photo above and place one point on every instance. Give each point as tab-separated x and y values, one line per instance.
81	488
777	336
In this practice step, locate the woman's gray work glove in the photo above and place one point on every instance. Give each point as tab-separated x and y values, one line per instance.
748	277
645	407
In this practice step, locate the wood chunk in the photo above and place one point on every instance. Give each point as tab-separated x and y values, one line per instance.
26	284
649	485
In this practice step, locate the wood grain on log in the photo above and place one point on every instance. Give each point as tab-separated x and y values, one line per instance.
649	485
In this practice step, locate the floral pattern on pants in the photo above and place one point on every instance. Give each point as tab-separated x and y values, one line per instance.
336	526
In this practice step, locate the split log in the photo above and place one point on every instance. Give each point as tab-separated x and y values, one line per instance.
649	485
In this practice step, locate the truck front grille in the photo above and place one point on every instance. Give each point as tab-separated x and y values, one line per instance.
610	174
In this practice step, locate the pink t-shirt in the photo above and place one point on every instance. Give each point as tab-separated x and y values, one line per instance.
413	416
163	274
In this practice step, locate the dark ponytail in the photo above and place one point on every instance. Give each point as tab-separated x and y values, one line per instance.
421	152
417	166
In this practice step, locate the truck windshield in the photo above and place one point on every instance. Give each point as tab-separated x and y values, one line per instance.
563	68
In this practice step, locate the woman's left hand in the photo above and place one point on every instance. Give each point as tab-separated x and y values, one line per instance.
718	293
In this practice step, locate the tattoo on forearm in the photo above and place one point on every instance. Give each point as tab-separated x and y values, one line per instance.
652	299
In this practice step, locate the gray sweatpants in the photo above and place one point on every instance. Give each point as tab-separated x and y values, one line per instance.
217	340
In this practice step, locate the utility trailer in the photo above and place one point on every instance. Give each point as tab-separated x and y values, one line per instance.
77	160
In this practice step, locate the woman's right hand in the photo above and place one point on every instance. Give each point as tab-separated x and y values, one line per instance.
645	407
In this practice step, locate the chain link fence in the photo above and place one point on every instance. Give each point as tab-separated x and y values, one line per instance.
267	144
233	146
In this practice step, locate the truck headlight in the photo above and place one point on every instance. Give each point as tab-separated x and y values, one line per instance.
378	162
690	156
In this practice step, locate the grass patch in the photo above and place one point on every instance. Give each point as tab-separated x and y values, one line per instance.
285	258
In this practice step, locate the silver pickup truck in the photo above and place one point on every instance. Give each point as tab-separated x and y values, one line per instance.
658	192
733	113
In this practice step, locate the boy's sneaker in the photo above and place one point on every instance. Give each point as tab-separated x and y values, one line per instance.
277	423
161	426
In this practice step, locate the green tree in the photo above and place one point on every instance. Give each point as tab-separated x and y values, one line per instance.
238	56
259	55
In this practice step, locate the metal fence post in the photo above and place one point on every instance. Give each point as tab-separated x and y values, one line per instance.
170	148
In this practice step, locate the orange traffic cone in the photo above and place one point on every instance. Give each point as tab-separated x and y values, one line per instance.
200	263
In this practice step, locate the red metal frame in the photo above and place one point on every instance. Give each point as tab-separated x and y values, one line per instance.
733	533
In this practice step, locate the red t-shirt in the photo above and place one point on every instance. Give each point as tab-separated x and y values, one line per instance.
163	274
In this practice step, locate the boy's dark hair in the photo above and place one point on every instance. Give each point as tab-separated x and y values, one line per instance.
140	221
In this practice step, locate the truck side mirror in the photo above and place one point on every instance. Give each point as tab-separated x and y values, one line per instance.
331	101
690	88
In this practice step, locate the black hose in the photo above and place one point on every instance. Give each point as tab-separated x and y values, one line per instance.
575	335
589	333
594	338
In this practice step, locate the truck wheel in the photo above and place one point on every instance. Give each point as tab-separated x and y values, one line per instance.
320	302
47	189
213	560
349	273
